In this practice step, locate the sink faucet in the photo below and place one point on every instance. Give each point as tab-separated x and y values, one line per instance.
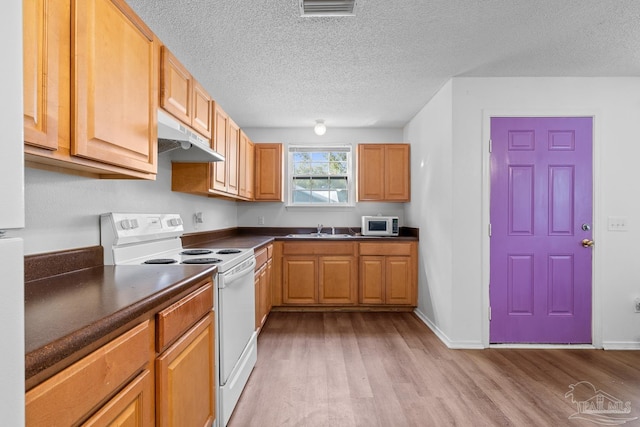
320	228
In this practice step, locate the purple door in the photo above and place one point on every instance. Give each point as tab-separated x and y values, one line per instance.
541	211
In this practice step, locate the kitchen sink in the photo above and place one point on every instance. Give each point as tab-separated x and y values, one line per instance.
319	236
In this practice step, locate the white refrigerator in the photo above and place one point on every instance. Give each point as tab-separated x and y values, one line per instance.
11	218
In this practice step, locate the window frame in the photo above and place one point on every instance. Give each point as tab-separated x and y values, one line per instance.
316	148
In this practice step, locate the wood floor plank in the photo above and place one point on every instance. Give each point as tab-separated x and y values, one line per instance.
388	369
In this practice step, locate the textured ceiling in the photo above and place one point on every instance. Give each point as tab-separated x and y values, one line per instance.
269	67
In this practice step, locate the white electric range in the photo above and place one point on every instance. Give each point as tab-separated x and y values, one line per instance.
136	239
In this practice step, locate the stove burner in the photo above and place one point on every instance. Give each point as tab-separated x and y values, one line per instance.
196	252
201	261
228	251
160	261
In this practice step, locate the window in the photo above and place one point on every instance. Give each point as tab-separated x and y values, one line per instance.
320	176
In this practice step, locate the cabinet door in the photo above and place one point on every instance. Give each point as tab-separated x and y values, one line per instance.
263	296
220	132
396	176
176	87
185	386
114	86
133	406
299	278
46	59
399	284
372	276
233	149
268	172
269	287
371	170
258	309
202	111
246	165
337	280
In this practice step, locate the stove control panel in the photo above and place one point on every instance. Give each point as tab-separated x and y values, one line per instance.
125	228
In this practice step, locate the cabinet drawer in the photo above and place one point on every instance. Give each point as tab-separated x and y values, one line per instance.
402	249
74	393
174	320
319	248
261	258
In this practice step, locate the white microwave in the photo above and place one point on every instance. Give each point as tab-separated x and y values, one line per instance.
380	226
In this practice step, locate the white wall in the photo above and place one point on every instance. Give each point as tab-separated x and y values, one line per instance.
431	208
615	105
62	211
278	215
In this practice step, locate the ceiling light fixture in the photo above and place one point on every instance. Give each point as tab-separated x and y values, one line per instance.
320	128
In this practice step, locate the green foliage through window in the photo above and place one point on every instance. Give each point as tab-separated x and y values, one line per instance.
320	175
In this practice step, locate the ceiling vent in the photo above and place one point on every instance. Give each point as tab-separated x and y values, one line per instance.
319	8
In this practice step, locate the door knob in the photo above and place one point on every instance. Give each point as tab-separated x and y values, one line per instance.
587	243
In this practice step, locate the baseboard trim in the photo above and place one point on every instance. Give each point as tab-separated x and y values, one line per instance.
454	345
546	346
621	345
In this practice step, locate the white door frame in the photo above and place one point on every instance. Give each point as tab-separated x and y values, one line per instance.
596	315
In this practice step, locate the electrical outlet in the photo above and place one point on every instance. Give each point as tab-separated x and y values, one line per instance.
260	220
637	304
617	223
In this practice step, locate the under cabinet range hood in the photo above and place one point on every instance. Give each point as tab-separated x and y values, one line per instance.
192	147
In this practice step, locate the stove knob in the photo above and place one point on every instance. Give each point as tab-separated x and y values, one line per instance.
125	224
174	222
134	223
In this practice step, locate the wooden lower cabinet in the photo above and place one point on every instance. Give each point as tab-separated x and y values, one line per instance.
185	366
337	280
263	281
160	372
363	275
185	384
322	273
299	274
388	274
79	391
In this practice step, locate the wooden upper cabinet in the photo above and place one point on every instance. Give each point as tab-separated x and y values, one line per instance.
220	137
176	87
384	172
46	52
233	152
202	111
114	87
246	165
268	172
182	96
90	89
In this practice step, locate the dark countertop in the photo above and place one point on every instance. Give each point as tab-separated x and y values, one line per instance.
69	315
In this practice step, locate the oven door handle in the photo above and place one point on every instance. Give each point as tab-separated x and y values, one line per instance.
230	278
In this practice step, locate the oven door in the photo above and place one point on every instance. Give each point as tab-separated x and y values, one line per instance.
236	314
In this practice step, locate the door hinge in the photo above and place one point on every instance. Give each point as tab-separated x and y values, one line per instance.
489	313
489	229
490	146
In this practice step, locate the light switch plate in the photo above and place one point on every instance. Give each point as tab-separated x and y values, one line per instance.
617	223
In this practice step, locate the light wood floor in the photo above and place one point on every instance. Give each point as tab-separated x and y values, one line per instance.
389	369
